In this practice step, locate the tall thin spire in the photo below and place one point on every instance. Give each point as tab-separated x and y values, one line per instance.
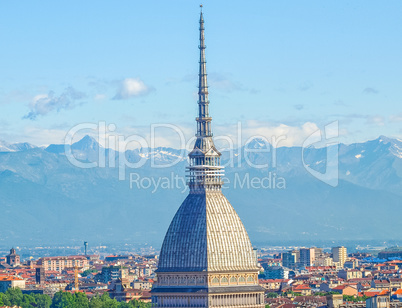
204	121
205	171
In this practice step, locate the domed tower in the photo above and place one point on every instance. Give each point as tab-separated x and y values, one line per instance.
206	258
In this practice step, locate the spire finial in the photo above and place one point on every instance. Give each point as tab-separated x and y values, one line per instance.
204	123
201	17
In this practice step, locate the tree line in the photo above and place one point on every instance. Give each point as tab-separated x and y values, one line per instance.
15	297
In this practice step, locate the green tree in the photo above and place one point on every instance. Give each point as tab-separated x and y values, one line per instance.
319	294
137	304
95	302
105	297
81	300
4	301
272	295
15	296
43	301
28	301
107	302
350	298
88	271
63	300
290	292
111	304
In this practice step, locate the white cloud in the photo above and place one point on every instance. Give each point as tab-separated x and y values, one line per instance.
376	120
100	97
168	135
37	135
42	104
396	118
289	135
235	134
131	87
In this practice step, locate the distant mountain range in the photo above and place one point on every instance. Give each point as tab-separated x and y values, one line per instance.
15	147
45	199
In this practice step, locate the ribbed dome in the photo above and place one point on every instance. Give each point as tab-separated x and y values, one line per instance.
206	234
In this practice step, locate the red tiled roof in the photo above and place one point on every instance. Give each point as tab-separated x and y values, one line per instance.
384	292
302	287
10	278
398	292
340	287
371	293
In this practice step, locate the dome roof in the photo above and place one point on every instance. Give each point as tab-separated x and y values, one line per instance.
206	234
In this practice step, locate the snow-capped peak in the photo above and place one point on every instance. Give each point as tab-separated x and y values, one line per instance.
86	143
15	147
258	143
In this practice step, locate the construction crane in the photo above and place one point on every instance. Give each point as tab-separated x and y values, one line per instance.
76	286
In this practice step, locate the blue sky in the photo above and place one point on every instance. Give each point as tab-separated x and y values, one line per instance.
279	67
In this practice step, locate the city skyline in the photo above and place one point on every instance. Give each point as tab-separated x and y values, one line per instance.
279	68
